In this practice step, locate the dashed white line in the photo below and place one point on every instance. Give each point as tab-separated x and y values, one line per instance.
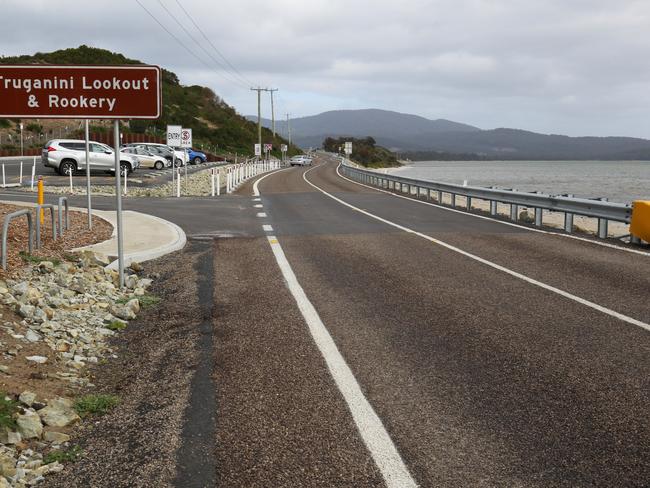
267	228
525	278
258	206
261	215
370	426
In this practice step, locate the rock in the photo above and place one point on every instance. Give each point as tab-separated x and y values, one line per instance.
7	465
26	311
131	281
135	266
37	359
32	295
32	336
20	288
56	437
59	413
29	425
46	266
4	369
9	436
27	398
89	259
134	305
122	312
4	483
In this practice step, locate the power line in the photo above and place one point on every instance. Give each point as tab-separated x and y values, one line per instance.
202	61
221	55
189	34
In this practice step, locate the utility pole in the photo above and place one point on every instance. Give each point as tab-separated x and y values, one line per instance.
288	129
271	90
259	113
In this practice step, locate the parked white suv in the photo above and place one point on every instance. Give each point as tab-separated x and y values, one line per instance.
69	155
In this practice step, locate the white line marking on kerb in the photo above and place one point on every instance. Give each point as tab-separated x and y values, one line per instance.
256	188
261	215
373	432
267	228
525	278
491	219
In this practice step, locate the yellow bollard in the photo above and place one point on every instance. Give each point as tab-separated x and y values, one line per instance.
640	225
41	198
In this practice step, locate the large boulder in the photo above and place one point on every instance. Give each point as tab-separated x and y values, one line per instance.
29	425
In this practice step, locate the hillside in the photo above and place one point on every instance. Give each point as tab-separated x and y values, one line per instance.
418	138
364	151
214	123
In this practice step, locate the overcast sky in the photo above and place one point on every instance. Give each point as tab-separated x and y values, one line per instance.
576	67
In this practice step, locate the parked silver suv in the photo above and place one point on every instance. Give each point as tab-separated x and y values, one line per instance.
65	155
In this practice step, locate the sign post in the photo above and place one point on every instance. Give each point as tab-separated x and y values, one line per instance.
83	92
186	143
258	150
284	149
173	140
88	197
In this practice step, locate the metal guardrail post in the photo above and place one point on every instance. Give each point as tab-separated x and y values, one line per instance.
439	196
38	223
568	219
539	213
469	203
603	224
63	201
493	207
5	231
453	199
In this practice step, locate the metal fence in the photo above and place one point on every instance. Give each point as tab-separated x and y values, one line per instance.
599	209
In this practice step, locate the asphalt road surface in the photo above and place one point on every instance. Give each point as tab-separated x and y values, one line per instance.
361	339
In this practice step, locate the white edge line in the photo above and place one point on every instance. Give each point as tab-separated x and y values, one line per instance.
525	278
256	189
511	224
370	426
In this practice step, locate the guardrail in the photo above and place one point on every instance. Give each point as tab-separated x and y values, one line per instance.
600	209
38	222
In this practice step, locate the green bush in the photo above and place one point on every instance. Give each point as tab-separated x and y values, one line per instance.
99	404
8	408
63	456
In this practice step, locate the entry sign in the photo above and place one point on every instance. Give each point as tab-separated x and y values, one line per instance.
283	148
186	138
80	92
258	149
174	135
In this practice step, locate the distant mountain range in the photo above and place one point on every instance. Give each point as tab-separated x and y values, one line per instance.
406	133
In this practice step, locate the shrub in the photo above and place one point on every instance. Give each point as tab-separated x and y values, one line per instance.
99	404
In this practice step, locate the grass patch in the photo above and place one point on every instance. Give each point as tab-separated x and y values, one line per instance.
95	404
116	325
146	301
8	408
28	258
63	456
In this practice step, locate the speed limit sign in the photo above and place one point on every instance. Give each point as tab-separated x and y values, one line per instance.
186	137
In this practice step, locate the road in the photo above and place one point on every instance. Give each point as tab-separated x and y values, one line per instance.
361	339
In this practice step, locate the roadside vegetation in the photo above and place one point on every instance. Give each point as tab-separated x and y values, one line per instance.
216	126
96	404
364	151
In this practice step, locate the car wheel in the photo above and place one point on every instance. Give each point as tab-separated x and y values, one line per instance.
67	167
197	160
159	165
179	163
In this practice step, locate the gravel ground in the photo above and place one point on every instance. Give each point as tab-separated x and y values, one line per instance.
77	236
136	445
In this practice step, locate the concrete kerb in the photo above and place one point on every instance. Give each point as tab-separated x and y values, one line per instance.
175	238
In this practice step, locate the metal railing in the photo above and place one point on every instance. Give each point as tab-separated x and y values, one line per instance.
63	225
38	222
5	231
599	209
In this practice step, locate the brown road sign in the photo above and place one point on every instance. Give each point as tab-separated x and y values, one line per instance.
80	92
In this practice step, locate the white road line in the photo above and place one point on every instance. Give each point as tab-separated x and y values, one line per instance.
511	224
257	199
261	215
525	278
256	189
267	228
372	430
258	206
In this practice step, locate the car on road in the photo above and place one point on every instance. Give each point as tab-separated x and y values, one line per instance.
147	158
300	160
163	150
196	157
69	155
